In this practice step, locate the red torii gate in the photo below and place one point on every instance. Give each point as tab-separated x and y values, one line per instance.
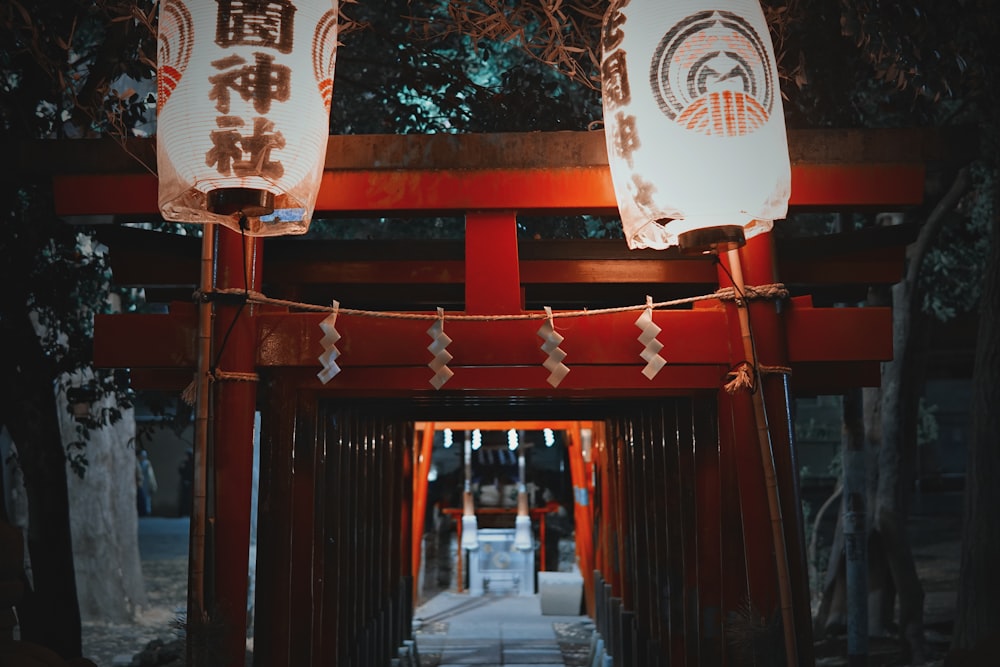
490	179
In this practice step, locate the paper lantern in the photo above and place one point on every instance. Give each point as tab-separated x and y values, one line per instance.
243	108
693	119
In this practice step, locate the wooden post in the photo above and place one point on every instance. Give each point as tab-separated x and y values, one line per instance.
582	514
199	501
239	262
422	465
492	274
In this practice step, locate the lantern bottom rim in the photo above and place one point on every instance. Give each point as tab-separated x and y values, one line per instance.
249	202
705	240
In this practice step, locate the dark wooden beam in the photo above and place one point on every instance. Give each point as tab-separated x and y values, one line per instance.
145	258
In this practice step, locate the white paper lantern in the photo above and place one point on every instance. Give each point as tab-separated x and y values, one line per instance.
693	119
243	108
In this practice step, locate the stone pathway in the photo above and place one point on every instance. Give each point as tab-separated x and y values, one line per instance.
454	630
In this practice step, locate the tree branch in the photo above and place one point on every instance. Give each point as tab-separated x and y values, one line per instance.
935	221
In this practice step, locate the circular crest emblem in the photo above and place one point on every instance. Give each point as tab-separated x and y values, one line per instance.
324	55
711	73
175	39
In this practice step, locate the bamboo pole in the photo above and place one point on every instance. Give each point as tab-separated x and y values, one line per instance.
199	506
767	462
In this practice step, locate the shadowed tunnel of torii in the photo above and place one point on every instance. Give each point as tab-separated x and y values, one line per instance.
321	597
575	437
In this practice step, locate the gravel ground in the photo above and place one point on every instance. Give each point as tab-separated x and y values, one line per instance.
936	550
111	645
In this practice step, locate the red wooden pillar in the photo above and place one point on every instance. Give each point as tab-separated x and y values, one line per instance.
762	583
778	569
238	265
422	465
492	275
759	268
582	514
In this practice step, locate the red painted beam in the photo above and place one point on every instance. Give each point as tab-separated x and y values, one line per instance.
147	341
857	185
690	337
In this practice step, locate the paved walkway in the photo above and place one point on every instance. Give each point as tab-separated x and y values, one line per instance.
455	630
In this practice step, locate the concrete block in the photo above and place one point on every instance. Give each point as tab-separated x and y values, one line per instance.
561	593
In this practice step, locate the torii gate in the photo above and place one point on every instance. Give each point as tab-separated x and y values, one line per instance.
679	498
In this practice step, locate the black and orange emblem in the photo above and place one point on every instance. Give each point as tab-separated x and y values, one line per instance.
712	73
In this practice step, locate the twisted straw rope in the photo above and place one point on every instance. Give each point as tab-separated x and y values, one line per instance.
190	393
771	292
740	378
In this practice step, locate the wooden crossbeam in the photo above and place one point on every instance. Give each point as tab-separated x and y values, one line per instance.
529	172
602	350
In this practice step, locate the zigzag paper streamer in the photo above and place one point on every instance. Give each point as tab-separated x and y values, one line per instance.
440	340
329	343
650	330
547	332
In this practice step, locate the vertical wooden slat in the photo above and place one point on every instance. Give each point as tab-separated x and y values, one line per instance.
735	574
709	531
652	518
387	553
272	607
632	515
303	530
620	515
345	546
635	555
655	493
319	506
601	513
688	529
673	592
355	602
615	527
334	535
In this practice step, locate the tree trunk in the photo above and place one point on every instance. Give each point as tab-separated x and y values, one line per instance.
901	384
978	609
891	422
855	522
104	520
49	614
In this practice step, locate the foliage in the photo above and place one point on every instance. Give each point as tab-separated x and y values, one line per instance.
933	48
60	278
563	36
56	71
395	75
62	59
950	280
